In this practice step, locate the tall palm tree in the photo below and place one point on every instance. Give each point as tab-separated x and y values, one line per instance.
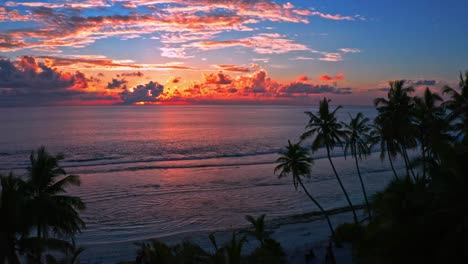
395	115
328	133
458	104
388	146
357	142
432	127
295	161
52	212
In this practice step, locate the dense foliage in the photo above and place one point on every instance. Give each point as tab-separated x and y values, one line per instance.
422	215
37	217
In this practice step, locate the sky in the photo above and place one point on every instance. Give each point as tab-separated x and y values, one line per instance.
93	52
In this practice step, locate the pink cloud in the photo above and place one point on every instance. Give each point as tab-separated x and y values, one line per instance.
326	77
264	43
323	15
177	21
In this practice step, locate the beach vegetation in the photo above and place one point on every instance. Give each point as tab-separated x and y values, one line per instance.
38	216
328	132
296	161
358	142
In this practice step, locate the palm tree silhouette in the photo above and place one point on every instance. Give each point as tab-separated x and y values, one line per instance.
431	124
458	104
328	133
51	211
395	115
258	224
12	199
357	142
295	161
388	146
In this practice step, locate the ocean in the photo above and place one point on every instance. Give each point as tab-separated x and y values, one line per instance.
161	171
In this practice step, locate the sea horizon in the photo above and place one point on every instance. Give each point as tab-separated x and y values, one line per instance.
145	177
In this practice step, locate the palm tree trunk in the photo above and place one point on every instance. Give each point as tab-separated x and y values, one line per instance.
391	163
424	160
318	205
407	161
363	187
342	187
38	249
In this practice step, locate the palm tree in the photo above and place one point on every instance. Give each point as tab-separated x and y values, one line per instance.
259	227
328	133
431	124
458	104
395	115
231	252
51	211
357	141
295	161
12	198
388	146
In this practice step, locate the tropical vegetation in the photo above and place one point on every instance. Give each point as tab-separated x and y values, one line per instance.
38	218
420	217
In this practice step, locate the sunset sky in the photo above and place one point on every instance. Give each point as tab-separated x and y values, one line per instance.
91	52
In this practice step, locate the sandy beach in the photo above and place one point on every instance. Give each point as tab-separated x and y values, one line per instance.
297	234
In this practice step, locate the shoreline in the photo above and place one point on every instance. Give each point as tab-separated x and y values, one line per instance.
298	234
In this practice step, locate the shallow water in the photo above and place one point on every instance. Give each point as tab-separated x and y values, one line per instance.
166	170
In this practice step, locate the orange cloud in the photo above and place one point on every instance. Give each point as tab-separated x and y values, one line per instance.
217	78
235	68
325	77
221	87
91	62
174	22
28	81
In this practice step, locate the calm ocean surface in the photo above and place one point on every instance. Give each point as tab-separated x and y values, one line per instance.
165	170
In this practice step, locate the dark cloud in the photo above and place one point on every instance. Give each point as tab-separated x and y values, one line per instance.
142	93
29	82
175	80
307	88
132	74
195	89
117	84
422	82
233	68
383	89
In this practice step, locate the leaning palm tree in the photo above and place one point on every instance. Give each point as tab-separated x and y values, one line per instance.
357	142
458	104
52	212
328	133
295	161
395	115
